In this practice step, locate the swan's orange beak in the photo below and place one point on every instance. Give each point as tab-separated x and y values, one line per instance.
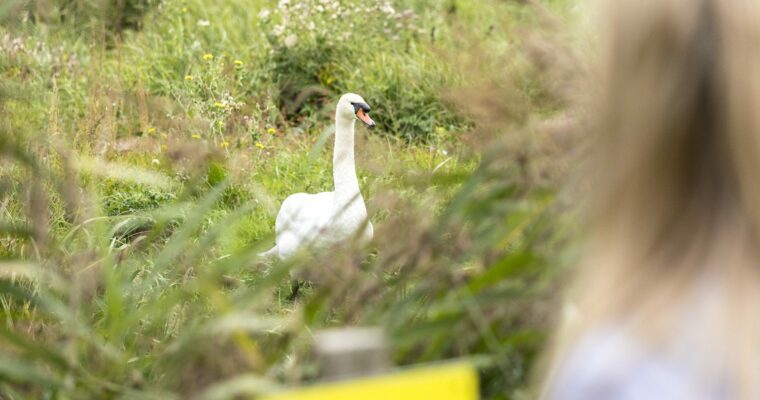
364	117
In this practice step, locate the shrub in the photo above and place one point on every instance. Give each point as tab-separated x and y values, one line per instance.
114	16
323	48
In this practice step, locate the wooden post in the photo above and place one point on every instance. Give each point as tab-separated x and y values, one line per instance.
351	352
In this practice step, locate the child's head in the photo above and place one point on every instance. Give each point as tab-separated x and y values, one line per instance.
677	185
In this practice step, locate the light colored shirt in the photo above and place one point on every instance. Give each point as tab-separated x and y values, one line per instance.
611	363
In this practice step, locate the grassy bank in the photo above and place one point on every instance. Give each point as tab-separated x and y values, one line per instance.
146	147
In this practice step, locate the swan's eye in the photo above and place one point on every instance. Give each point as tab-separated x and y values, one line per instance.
360	106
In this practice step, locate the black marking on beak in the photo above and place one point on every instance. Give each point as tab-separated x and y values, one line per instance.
360	106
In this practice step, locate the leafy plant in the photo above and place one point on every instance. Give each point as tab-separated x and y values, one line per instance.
132	206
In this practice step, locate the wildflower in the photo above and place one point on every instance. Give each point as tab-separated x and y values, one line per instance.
440	130
238	63
218	105
155	161
388	8
195	136
151	130
291	40
188	77
225	144
271	131
184	9
264	14
208	56
259	145
203	22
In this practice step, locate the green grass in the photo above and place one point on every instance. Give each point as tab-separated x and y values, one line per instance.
146	146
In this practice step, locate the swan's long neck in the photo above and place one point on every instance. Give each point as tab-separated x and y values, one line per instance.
344	168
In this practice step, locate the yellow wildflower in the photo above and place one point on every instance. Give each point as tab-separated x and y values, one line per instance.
188	77
218	105
238	63
259	145
195	136
440	130
224	144
271	131
208	56
151	130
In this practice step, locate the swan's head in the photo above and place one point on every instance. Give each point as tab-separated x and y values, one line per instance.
352	106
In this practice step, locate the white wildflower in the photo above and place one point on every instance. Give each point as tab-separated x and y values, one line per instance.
203	22
264	14
291	40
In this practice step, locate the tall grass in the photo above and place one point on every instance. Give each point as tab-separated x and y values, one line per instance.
142	166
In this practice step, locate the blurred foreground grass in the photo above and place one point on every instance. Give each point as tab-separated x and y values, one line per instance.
144	149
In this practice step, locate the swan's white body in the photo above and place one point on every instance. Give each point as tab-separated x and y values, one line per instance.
317	221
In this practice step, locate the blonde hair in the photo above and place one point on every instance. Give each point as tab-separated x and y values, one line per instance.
678	200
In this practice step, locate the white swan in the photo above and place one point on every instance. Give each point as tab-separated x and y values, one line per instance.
327	218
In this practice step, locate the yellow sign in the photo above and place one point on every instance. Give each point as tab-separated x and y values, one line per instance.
457	381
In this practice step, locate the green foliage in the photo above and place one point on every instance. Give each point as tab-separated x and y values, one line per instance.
114	16
122	199
321	49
